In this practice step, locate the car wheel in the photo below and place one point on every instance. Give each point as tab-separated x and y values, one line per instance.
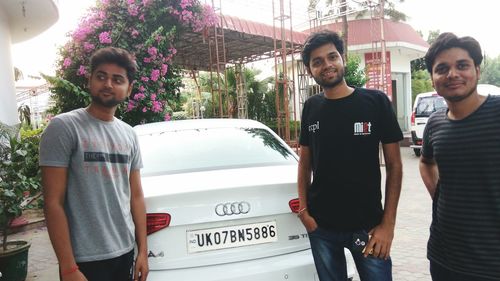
417	151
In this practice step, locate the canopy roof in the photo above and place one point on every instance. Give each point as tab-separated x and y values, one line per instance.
245	41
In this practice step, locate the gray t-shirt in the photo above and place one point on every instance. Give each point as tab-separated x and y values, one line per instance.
99	156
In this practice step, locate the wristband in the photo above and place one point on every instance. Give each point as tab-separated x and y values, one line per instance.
69	271
301	212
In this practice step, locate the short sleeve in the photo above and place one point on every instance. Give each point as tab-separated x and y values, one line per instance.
304	133
136	163
391	132
56	145
427	149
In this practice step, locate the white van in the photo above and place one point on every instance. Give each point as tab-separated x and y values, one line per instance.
427	103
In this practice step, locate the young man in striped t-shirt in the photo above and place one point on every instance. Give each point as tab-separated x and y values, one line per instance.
460	166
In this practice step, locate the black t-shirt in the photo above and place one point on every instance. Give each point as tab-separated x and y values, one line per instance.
344	136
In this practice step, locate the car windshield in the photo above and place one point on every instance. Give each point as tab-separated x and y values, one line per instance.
211	149
427	105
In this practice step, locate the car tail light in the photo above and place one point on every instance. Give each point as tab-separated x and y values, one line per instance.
294	205
157	221
413	118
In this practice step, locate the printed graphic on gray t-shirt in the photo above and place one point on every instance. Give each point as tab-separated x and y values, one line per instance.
99	156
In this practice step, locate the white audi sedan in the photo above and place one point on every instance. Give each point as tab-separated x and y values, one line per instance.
221	200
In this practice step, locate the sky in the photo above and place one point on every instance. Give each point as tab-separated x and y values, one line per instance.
39	54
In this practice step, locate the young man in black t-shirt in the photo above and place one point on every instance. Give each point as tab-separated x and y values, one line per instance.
342	128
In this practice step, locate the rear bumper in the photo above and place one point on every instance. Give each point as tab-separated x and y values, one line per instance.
298	266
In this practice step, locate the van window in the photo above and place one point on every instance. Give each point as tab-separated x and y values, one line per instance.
427	105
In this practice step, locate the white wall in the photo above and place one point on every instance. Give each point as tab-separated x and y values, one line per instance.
8	109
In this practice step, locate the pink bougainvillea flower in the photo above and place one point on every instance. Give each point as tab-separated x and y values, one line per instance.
167	117
186	3
152	51
134	33
144	79
164	69
153	97
139	96
81	71
157	106
131	105
144	109
88	47
155	74
67	62
105	38
133	10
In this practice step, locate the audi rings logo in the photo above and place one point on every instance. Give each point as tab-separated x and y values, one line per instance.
232	208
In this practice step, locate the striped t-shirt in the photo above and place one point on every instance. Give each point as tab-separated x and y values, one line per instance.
465	230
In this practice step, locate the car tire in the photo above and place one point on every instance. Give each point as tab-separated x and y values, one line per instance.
417	152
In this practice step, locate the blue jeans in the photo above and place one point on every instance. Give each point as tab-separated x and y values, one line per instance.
328	251
440	273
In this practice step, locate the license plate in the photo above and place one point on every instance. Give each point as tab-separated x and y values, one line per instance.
231	236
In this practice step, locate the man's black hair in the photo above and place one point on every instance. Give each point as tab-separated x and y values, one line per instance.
318	39
449	40
117	56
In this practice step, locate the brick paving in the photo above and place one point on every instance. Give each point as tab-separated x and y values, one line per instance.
408	250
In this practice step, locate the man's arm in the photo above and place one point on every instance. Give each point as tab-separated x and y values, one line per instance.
383	233
138	210
303	183
429	173
54	181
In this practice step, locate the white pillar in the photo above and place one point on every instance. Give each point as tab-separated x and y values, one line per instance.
8	105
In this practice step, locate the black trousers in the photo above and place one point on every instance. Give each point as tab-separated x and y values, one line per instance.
115	269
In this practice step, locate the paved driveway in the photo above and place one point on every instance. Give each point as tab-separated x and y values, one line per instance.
412	228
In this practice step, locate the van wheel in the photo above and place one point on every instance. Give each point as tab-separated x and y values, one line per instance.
417	151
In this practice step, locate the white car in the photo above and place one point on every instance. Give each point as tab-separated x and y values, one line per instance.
427	103
221	202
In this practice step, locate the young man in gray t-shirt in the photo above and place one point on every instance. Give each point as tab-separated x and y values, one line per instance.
90	164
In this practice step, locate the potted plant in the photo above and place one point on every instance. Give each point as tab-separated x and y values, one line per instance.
17	181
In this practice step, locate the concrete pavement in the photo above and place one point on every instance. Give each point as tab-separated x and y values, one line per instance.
408	250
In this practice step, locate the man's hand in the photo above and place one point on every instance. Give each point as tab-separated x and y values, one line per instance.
380	242
141	269
308	222
75	276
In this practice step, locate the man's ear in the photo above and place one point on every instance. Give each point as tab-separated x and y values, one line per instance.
309	71
130	87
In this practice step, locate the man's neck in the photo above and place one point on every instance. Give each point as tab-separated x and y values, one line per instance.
101	112
339	91
461	109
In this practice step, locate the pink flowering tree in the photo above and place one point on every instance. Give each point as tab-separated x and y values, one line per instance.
147	28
